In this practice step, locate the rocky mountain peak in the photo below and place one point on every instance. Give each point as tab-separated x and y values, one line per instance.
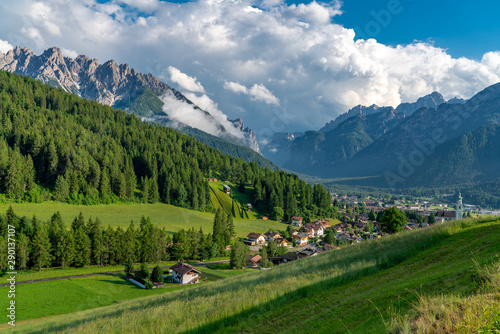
359	109
432	101
53	53
250	137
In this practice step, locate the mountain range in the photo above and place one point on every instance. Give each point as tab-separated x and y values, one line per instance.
430	143
341	138
123	87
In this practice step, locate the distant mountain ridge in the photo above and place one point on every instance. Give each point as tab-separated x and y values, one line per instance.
112	84
316	151
352	113
432	100
429	143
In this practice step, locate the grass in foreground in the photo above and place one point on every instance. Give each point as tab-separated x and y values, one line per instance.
478	312
170	217
327	293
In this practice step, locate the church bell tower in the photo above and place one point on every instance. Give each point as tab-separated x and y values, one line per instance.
459	207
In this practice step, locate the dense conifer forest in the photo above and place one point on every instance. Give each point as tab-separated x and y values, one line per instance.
55	145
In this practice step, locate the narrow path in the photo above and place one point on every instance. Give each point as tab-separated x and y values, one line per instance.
201	264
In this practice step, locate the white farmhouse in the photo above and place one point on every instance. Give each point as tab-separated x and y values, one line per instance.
183	273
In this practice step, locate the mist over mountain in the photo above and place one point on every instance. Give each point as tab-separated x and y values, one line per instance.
278	147
123	87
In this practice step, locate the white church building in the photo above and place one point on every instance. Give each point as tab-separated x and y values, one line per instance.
442	216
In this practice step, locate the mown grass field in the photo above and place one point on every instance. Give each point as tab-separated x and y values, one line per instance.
234	203
170	217
357	289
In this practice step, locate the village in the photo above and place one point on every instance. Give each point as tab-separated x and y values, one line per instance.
358	221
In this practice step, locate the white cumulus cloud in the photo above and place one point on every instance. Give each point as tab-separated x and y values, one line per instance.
185	81
258	92
5	46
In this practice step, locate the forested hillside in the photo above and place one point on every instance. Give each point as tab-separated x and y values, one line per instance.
56	145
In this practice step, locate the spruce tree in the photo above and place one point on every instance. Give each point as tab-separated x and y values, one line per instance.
143	271
219	229
129	268
41	248
157	275
3	253
65	251
264	255
61	189
78	222
238	255
82	248
22	251
230	229
145	190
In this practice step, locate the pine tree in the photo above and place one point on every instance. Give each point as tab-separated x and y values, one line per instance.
238	255
105	186
272	248
122	186
182	196
157	275
129	267
145	190
41	248
82	248
219	229
154	195
97	246
147	246
143	271
22	251
371	215
264	255
78	222
65	251
230	228
3	253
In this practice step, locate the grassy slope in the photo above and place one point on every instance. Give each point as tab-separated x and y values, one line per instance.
162	215
447	268
236	203
328	293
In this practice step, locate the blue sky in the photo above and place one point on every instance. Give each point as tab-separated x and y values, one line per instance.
279	67
465	28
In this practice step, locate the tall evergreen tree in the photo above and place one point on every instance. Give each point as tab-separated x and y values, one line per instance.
22	251
62	189
238	255
41	248
82	247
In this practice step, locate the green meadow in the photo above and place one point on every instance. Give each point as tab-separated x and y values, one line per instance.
378	286
43	299
234	203
170	217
